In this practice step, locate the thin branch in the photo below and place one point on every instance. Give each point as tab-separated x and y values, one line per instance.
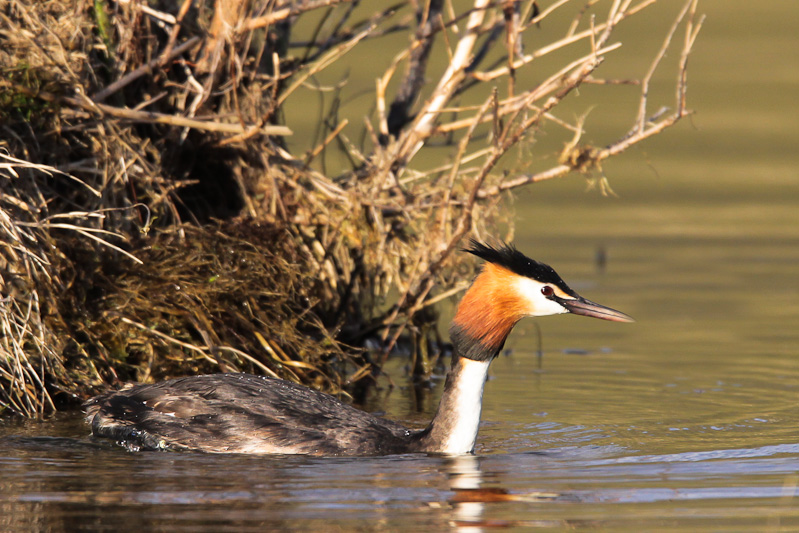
653	67
423	125
639	132
145	69
167	54
323	62
524	100
284	13
412	83
148	116
332	135
557	45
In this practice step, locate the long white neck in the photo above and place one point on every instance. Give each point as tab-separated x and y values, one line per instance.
485	317
454	427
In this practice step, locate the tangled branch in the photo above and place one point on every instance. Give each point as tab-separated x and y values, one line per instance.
164	137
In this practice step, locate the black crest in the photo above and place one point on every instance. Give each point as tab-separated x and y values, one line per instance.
507	256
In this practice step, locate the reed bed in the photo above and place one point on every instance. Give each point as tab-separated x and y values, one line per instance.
155	221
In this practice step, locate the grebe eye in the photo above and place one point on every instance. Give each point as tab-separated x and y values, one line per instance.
547	291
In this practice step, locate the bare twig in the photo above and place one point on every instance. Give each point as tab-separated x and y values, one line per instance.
148	116
423	125
408	92
284	13
147	68
561	43
167	54
323	62
642	128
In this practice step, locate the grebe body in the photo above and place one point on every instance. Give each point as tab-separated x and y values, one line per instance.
242	413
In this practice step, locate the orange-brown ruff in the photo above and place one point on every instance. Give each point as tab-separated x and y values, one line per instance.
490	310
241	413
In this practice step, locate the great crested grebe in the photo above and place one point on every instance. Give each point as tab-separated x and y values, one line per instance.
242	413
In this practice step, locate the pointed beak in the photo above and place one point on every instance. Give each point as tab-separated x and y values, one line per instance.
581	306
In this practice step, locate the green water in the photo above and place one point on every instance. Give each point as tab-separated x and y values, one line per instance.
686	419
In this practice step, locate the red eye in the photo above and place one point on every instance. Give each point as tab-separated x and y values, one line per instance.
547	291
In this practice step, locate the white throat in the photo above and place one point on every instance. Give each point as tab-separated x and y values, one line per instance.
466	403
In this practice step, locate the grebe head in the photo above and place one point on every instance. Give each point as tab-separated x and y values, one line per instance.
512	286
537	286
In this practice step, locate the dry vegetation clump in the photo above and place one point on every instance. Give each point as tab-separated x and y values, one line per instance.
155	221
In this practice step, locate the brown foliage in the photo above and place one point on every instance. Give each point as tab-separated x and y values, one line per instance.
167	228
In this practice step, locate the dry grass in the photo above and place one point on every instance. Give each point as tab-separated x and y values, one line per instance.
166	228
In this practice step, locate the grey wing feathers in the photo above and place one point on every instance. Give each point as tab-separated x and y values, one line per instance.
238	413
